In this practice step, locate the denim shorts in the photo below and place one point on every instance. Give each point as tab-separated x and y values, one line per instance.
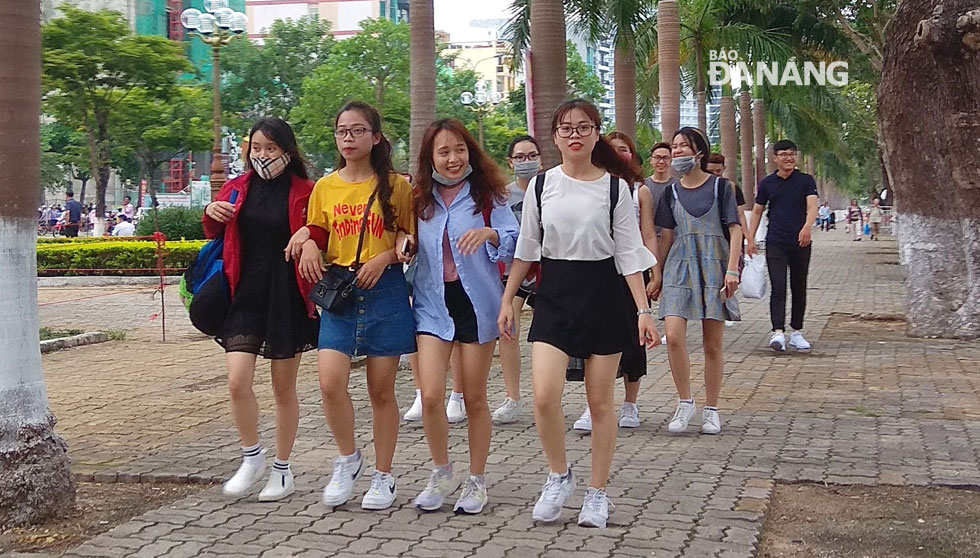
380	322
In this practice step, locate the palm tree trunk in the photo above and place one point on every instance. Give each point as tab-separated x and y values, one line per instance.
759	133
35	477
625	74
939	203
548	60
422	75
745	127
668	48
729	140
702	96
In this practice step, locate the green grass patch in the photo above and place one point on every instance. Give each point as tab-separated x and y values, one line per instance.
48	333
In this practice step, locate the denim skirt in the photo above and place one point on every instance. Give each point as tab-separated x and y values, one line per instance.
379	323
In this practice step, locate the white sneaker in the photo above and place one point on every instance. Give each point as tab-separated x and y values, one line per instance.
729	323
798	342
710	422
474	497
778	342
455	411
595	509
584	422
414	413
441	485
251	470
509	412
345	473
629	416
555	492
382	493
279	486
682	417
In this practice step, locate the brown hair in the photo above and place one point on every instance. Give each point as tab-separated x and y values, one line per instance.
661	145
603	154
716	159
487	182
635	165
380	159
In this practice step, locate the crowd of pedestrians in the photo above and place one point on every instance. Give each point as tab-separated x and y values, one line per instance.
589	245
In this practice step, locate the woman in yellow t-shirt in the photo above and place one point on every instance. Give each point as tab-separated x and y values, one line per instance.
379	322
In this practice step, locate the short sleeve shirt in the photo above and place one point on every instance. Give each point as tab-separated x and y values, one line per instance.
786	200
697	202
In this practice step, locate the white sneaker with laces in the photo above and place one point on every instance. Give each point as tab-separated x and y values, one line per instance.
555	492
382	493
595	509
249	472
584	422
629	416
441	485
682	417
474	497
508	412
414	413
710	421
279	486
455	411
778	342
341	486
798	342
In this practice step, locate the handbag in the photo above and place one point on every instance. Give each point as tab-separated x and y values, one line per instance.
335	291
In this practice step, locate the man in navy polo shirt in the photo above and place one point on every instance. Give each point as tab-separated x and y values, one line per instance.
791	197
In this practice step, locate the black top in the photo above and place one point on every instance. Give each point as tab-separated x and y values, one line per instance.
74	210
786	198
697	202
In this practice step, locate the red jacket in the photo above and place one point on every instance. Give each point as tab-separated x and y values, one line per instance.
299	199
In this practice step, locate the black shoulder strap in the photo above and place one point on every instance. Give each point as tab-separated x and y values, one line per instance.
613	200
538	190
720	186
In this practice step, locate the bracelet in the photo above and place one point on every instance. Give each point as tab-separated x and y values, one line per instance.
732	273
645	311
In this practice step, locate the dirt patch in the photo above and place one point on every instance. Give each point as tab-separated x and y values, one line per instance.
99	507
865	327
815	521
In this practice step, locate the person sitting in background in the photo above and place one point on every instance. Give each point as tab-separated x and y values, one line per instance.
124	227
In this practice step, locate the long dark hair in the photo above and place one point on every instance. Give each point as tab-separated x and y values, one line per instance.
636	166
698	141
603	155
380	159
487	183
278	131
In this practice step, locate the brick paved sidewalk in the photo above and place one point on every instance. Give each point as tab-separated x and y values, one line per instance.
867	406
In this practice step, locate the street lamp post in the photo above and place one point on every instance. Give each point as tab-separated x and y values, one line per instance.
481	103
216	27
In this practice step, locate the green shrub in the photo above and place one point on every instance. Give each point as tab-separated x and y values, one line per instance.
175	222
113	258
79	240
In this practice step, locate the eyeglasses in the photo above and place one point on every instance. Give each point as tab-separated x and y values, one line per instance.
354	132
583	130
786	154
520	157
660	158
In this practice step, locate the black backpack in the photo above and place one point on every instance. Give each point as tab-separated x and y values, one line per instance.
720	185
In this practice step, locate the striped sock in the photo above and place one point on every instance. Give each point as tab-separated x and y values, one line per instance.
252	453
688	401
281	466
707	408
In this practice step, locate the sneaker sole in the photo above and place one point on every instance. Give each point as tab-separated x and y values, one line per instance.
777	347
592	524
276	498
621	425
703	431
441	504
412	419
360	473
381	506
461	511
456	421
799	350
581	429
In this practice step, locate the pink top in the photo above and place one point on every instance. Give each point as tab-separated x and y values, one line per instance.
449	272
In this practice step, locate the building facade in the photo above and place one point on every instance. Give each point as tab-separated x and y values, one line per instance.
344	16
491	62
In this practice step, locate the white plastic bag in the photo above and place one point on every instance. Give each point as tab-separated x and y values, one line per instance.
754	277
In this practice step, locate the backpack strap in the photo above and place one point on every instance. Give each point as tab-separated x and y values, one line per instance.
613	201
538	191
720	185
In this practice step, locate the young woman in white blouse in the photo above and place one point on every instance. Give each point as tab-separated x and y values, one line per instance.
585	234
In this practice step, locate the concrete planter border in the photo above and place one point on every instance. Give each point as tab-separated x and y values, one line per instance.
92	338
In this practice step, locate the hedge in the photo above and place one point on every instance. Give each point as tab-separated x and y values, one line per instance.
113	258
175	222
78	240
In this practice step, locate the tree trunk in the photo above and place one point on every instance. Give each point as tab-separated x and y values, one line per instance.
81	194
35	477
625	75
701	95
931	157
422	75
729	141
668	47
547	72
745	128
759	134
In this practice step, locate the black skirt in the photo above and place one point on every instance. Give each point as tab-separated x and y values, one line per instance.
581	308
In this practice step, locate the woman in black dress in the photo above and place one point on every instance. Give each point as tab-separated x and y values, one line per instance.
271	314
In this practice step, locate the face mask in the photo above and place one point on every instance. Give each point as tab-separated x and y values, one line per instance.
436	176
268	168
527	169
682	165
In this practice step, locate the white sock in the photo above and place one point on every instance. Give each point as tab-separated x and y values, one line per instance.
253	454
418	393
352	457
455	396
